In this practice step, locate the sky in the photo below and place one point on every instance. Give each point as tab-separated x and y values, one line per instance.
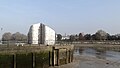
64	16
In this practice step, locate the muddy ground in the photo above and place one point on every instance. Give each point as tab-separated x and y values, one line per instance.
89	62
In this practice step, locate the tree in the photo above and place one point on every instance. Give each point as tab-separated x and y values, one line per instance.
93	37
72	38
114	37
6	36
108	37
16	36
76	37
101	35
19	37
23	37
59	37
81	37
87	37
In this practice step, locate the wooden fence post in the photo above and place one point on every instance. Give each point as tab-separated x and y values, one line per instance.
14	60
33	60
66	56
72	56
53	56
69	56
58	62
49	58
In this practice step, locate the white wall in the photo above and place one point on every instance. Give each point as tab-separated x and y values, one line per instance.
34	33
49	36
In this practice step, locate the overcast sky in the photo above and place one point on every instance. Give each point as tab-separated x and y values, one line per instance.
64	16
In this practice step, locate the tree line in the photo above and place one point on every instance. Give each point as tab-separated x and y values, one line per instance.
100	35
14	37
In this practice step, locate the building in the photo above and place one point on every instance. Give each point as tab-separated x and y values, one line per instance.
41	34
66	37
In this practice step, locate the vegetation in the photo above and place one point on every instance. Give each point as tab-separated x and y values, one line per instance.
59	37
100	35
13	37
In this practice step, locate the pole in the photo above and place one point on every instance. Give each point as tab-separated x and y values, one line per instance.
1	35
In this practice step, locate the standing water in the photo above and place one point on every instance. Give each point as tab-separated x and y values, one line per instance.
91	58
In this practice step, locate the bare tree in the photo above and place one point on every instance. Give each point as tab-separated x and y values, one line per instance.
16	36
23	37
6	36
19	37
101	35
81	37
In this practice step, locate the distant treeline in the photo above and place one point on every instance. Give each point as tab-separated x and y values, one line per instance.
99	36
14	37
